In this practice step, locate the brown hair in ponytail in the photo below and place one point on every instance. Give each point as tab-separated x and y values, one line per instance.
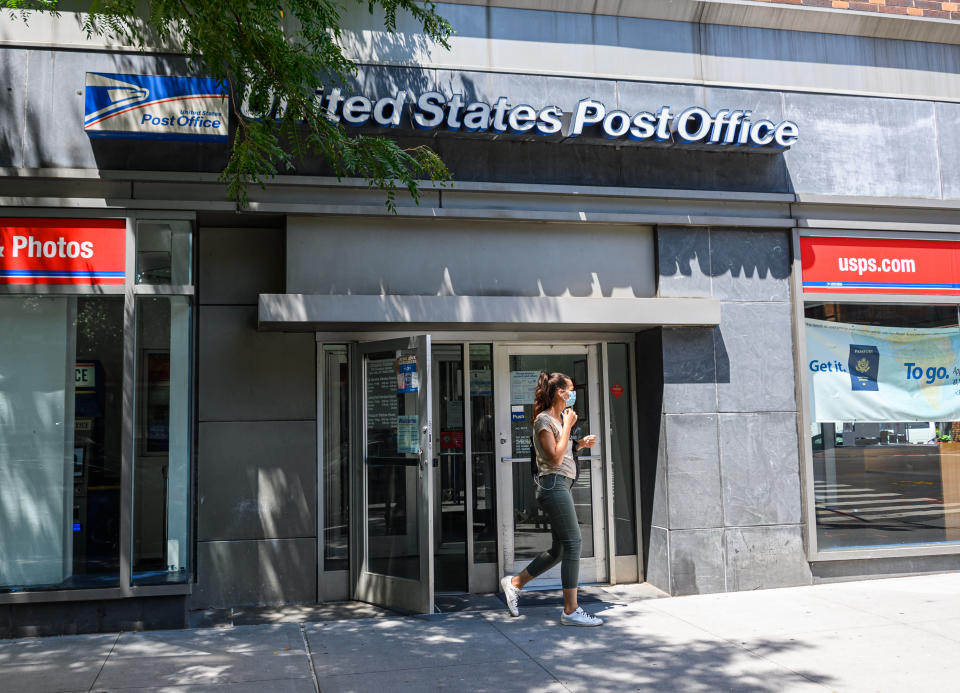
547	386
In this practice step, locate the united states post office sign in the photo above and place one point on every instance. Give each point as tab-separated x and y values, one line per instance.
155	107
63	251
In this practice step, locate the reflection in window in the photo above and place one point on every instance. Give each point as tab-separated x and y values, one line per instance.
162	443
884	383
164	252
621	451
61	380
392	391
336	457
483	454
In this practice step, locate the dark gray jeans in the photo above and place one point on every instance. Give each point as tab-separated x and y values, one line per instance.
556	501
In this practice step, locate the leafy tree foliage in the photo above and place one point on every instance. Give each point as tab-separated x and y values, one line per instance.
275	54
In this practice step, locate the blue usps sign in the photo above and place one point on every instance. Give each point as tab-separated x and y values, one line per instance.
155	107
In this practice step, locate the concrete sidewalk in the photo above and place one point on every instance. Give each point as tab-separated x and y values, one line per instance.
884	635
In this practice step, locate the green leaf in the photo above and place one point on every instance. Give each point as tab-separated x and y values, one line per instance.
274	55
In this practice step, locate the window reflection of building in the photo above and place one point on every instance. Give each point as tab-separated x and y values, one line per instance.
879	482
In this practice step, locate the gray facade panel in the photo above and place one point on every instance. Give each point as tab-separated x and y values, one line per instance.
13	68
760	465
696	562
236	265
693	471
257	480
763	557
451	258
689	370
763	104
683	259
660	497
657	572
634	97
246	375
755	358
948	134
863	146
750	265
272	571
535	90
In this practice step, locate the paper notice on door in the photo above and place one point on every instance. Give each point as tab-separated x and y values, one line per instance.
407	426
381	393
523	385
481	383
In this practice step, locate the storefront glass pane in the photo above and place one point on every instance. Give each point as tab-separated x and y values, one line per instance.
392	463
621	450
483	454
61	380
164	250
449	472
884	383
336	457
531	527
161	473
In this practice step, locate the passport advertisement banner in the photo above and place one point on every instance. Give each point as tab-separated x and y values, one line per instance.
63	251
878	374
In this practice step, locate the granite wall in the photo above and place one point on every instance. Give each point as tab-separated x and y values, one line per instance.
720	464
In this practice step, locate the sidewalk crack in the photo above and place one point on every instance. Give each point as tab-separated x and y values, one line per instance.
100	671
306	647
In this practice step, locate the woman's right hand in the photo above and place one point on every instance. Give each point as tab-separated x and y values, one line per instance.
569	418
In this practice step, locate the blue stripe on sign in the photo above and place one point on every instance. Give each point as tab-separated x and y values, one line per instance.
173	136
881	285
63	273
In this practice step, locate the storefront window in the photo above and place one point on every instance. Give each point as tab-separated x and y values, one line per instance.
336	458
621	450
884	384
164	252
484	499
61	423
161	476
95	389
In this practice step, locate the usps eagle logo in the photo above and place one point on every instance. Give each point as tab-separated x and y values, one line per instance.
155	107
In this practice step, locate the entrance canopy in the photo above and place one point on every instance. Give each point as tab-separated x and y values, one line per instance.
311	312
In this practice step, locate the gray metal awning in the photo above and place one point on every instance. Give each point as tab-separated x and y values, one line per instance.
310	312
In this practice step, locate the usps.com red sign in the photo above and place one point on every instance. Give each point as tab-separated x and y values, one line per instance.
879	266
63	251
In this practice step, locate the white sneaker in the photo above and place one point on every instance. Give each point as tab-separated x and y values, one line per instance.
511	594
579	618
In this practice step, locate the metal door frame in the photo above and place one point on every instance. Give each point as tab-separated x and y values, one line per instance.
385	590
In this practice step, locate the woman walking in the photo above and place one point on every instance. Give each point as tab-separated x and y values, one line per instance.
553	420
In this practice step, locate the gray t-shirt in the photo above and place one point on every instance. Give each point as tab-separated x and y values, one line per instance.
546	422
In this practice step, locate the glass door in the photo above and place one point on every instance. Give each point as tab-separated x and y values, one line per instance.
393	517
524	530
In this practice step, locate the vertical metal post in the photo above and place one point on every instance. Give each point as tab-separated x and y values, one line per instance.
357	475
607	459
635	462
468	462
320	480
807	496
